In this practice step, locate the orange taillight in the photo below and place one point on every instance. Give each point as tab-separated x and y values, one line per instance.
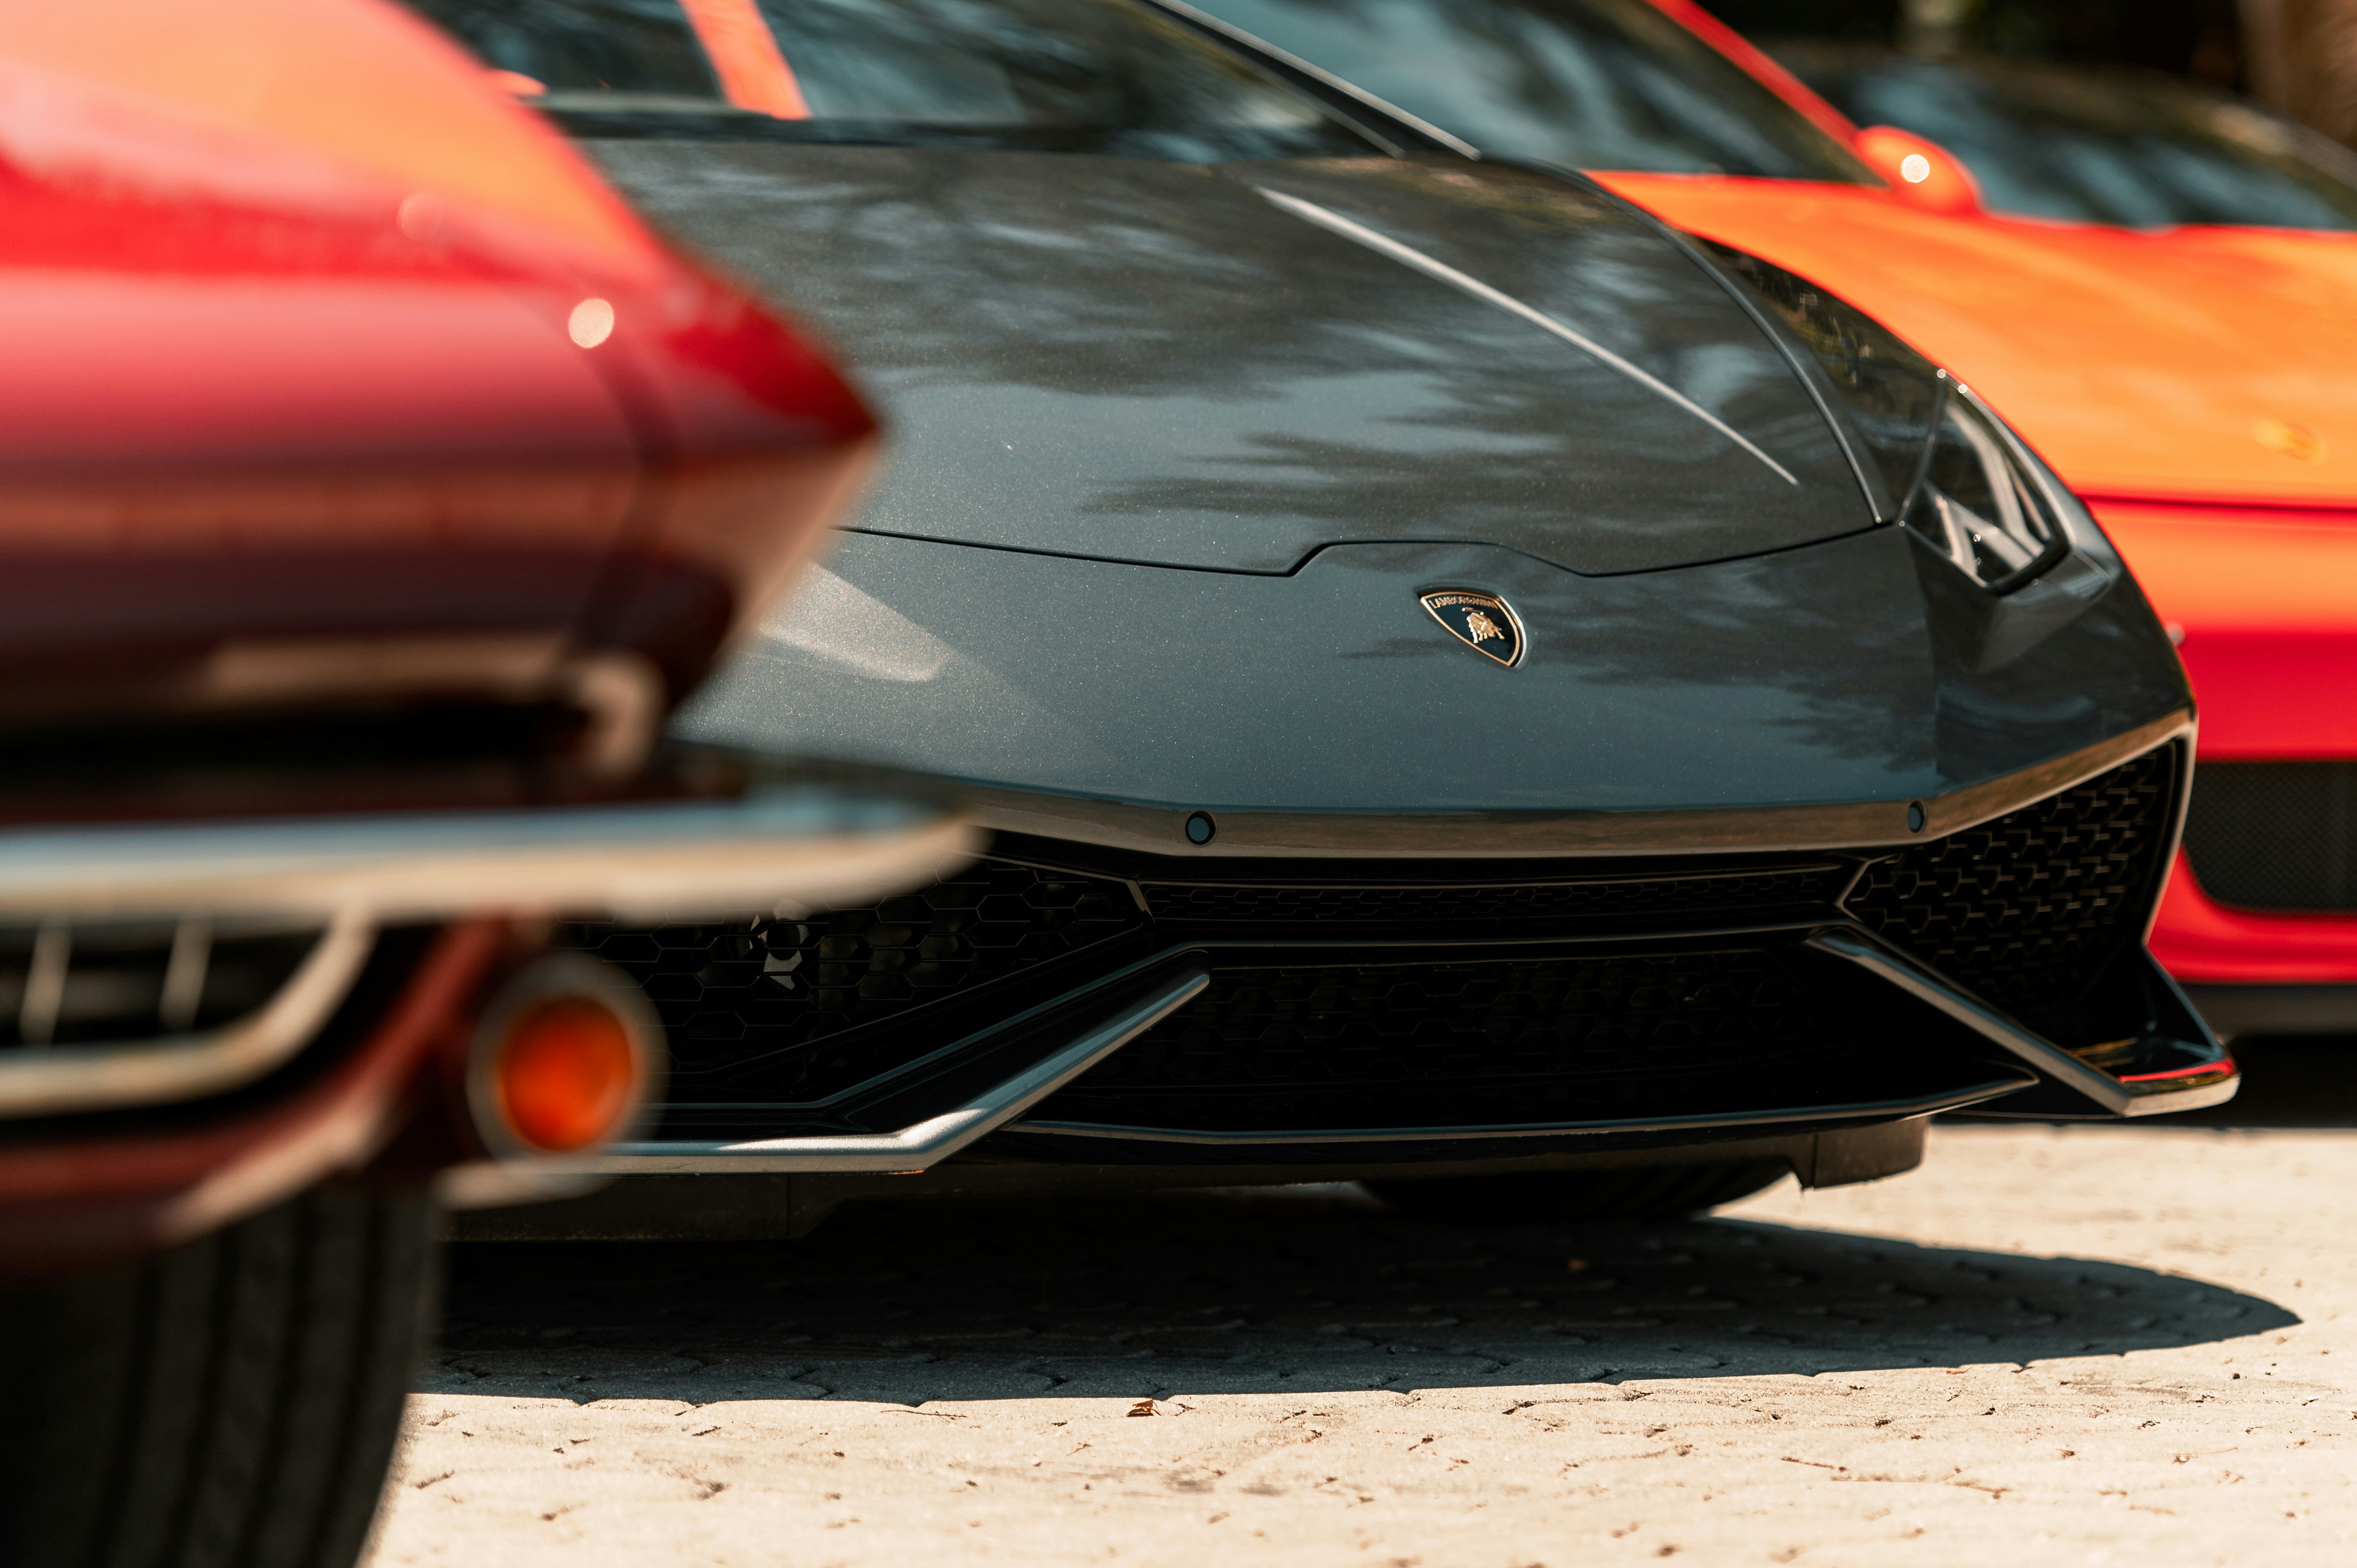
568	1056
568	1075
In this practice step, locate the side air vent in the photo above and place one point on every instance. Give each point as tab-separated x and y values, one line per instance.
727	993
2026	909
2275	835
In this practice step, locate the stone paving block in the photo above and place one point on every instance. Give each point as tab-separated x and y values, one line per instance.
2049	1347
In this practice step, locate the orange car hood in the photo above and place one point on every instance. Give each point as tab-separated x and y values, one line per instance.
2189	364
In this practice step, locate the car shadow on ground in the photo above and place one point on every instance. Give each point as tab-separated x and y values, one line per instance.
1306	1290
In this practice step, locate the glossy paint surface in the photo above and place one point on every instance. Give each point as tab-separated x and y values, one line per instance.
2180	371
117	1192
2267	601
2204	942
2231	343
1181	445
1135	361
312	105
1616	78
335	384
2195	381
2141	362
2182	365
2186	375
332	372
1835	672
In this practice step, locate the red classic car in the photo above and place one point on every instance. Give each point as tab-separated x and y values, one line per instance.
372	486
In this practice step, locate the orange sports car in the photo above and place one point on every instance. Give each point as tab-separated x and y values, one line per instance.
2155	284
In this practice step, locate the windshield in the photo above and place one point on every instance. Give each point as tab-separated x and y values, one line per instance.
2113	148
1099	76
1598	84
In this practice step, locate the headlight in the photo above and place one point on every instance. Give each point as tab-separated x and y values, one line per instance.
1931	452
1979	501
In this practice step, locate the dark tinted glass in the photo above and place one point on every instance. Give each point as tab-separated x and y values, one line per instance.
1600	84
2138	150
1104	76
642	47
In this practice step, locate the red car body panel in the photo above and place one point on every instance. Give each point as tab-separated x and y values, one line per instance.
334	381
331	341
81	1200
2204	942
2197	385
2137	363
2267	601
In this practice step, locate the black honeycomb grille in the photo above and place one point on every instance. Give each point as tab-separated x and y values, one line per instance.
1498	1042
1311	1021
1407	1023
2026	909
1780	890
2275	835
727	993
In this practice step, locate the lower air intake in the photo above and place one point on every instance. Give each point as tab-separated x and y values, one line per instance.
1352	995
789	995
2275	835
1504	1042
2028	909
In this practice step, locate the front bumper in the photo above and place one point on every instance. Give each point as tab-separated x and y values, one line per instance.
121	1141
1083	1004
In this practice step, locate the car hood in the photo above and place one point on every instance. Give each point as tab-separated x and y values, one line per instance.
1840	673
1232	367
2187	365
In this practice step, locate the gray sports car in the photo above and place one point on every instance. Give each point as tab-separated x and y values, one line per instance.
1473	695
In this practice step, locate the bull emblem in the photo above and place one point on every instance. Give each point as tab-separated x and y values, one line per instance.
1482	622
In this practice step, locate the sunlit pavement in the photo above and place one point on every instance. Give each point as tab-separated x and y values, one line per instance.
2086	1346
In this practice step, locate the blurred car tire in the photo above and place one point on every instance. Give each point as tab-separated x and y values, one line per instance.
1608	1197
232	1401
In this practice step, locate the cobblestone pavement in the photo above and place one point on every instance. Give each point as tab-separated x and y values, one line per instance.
2098	1345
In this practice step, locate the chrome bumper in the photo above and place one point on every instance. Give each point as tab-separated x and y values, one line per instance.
790	851
782	850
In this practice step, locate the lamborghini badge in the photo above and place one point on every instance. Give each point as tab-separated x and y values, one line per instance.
1480	622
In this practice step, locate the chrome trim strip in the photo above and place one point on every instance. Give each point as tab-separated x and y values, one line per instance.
1888	1110
2180	811
45	983
1465	282
2119	1098
1161	830
2168	1102
911	1149
1976	803
786	850
668	860
47	1080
